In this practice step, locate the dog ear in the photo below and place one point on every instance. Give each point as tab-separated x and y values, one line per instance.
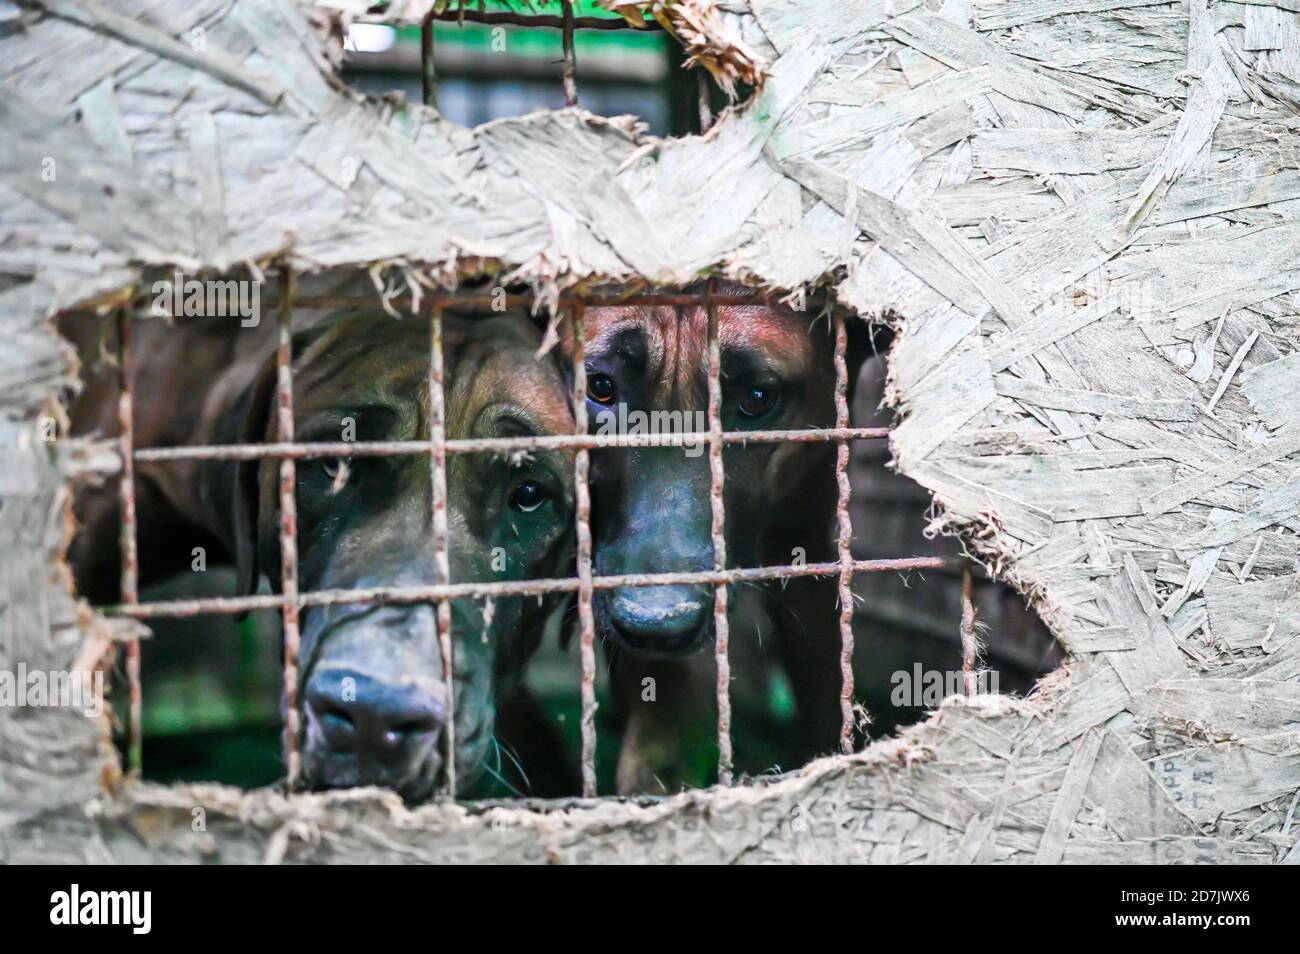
257	418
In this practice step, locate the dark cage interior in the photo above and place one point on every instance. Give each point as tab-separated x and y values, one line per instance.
679	622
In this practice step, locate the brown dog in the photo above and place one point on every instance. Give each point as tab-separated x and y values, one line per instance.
371	676
652	514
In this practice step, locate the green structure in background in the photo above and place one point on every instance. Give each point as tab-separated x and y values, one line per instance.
542	43
488	71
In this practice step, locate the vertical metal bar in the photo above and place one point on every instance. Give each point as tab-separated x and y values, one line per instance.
969	644
720	624
428	71
288	527
570	58
706	112
441	558
845	536
130	550
586	620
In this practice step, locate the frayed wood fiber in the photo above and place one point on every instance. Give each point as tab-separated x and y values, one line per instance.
1083	217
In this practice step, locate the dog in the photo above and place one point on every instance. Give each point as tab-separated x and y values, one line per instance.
652	514
372	684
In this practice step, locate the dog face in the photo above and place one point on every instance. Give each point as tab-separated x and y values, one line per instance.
372	684
652	505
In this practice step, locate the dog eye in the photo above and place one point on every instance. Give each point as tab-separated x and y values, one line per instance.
527	496
757	401
600	388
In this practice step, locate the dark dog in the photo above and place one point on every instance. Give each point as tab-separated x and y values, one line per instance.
652	514
371	676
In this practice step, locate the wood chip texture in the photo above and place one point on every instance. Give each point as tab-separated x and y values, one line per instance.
1082	217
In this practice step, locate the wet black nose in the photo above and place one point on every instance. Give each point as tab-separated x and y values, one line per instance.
383	724
661	620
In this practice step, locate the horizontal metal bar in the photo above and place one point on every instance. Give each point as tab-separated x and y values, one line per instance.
498	445
469	15
497	301
451	591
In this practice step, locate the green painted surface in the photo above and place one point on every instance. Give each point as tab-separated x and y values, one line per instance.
540	41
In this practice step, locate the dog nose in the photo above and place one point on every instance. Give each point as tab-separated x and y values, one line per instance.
381	724
660	619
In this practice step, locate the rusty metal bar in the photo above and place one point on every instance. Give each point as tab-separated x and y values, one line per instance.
441	556
428	69
721	625
845	543
288	530
586	618
497	590
129	545
969	643
498	445
570	58
463	14
593	300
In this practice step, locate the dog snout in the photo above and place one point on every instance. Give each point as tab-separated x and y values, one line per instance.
660	620
365	728
378	721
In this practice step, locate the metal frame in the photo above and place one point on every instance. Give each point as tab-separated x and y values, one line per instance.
291	601
567	22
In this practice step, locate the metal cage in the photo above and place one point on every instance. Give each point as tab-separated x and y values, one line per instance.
290	600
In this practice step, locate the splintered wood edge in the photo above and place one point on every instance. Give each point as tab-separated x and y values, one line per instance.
1148	745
